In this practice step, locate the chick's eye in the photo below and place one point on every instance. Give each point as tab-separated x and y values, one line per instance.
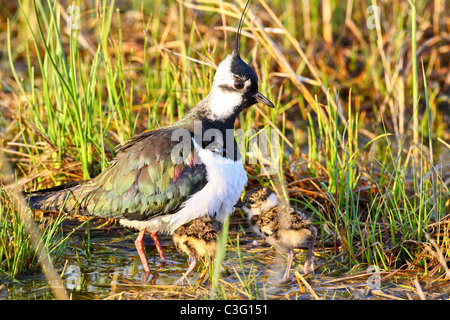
251	201
238	84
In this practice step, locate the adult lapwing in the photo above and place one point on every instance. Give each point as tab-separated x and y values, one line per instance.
158	183
280	225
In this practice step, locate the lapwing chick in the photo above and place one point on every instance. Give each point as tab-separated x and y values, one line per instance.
280	225
163	179
197	239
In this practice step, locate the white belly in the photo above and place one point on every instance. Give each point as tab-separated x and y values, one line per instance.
226	182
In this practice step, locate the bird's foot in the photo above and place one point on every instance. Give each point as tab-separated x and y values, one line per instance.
180	281
309	266
166	263
285	279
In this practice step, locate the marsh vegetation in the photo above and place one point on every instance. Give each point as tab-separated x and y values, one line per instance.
362	116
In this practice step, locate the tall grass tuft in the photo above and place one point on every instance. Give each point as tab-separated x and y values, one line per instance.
23	244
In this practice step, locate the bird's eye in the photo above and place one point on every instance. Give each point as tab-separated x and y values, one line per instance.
251	201
238	84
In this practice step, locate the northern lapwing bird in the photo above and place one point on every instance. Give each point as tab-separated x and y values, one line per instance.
197	239
280	225
158	183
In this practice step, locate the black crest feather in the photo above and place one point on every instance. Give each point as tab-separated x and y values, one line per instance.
239	30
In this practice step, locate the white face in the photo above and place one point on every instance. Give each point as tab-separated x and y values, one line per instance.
252	211
272	201
224	97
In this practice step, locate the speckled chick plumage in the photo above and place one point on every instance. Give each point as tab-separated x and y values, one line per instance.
280	225
197	239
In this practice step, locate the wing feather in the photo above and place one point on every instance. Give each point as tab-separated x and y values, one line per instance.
145	182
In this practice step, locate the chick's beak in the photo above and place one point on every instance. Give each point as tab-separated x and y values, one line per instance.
260	98
240	204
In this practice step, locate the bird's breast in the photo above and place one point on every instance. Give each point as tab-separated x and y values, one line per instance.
226	181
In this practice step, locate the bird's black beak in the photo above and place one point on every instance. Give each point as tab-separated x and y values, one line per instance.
260	98
240	204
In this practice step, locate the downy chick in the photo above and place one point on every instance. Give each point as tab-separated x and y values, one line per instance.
197	239
281	226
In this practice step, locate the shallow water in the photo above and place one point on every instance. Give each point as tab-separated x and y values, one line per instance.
103	264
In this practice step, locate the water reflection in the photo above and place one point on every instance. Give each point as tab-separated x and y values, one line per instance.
110	268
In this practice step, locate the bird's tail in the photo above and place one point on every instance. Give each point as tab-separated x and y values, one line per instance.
67	197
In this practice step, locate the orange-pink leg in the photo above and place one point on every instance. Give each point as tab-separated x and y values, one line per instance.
154	236
139	243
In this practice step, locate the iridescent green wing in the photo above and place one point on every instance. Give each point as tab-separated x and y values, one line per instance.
146	180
